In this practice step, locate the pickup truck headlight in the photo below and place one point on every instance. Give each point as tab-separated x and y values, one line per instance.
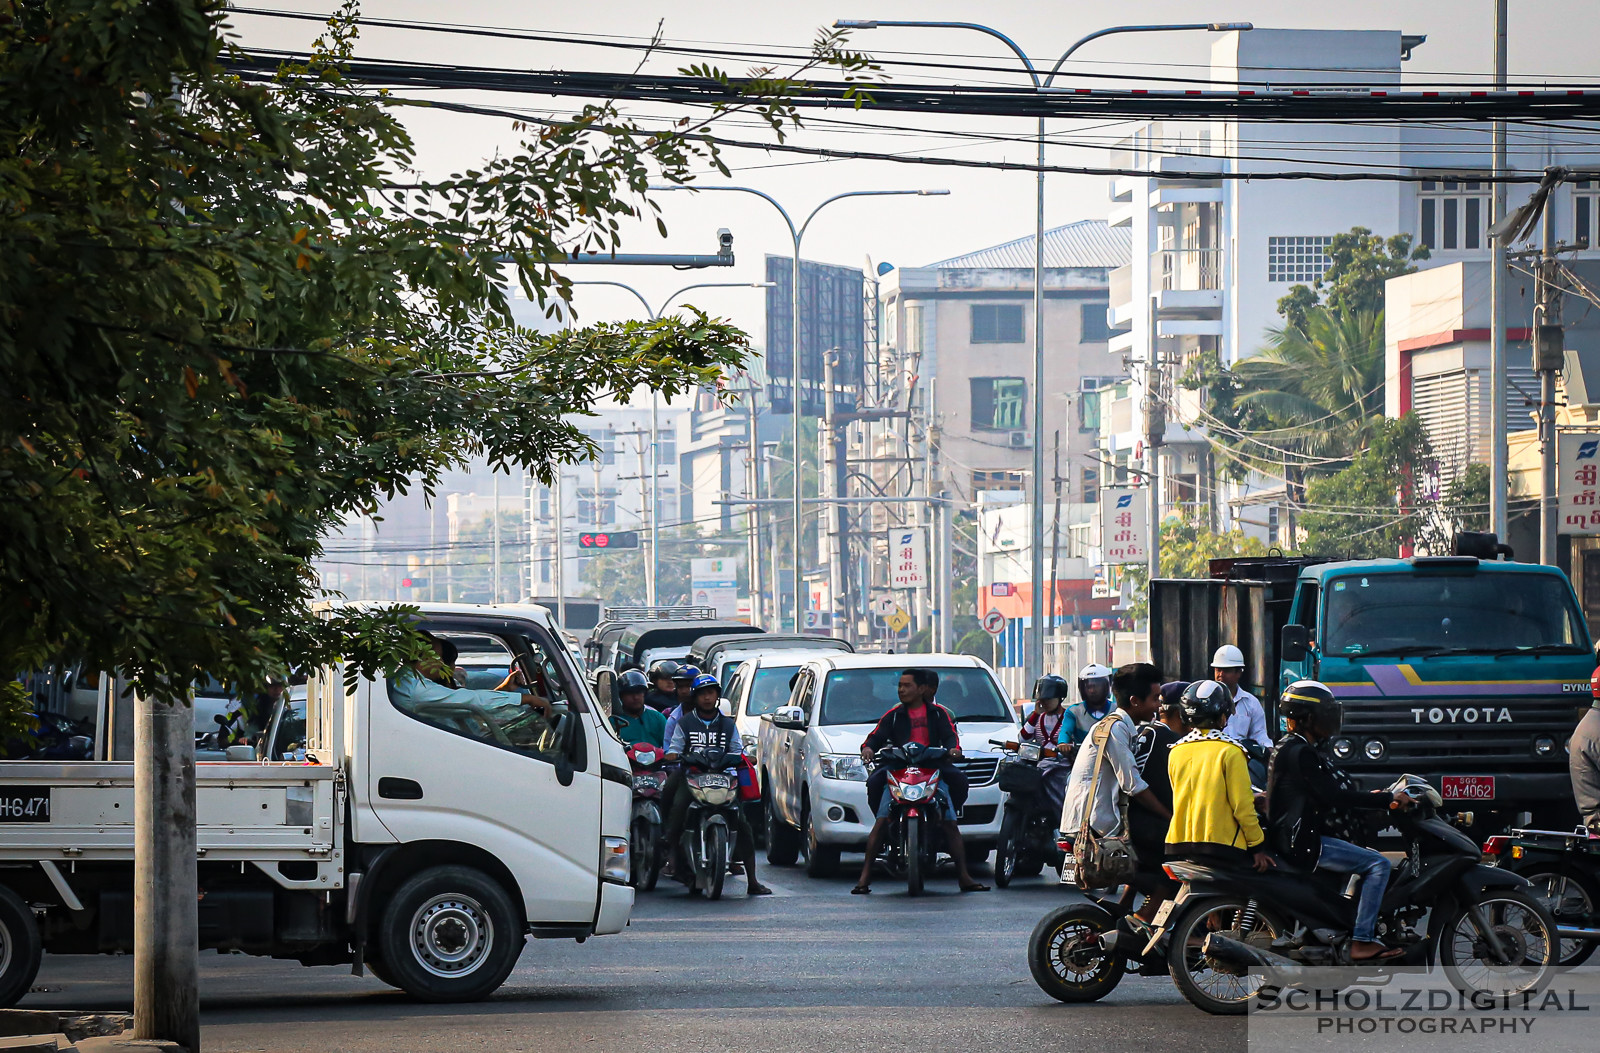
843	766
615	865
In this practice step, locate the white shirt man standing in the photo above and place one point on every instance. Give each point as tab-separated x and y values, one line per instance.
1249	721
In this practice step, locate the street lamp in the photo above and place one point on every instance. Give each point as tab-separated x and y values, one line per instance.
1035	646
796	234
655	313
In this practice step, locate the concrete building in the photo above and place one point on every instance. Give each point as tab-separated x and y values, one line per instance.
1213	254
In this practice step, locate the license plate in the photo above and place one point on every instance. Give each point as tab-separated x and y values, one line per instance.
1163	914
24	804
1069	871
1467	787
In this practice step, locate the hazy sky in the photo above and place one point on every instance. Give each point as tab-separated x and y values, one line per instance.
1553	39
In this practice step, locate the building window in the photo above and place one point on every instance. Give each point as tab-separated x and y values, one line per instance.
996	481
999	403
1094	328
1297	259
1090	486
1272	525
1089	395
607	441
596	513
1585	211
997	323
1453	215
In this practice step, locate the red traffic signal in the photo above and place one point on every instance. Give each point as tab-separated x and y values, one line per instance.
614	539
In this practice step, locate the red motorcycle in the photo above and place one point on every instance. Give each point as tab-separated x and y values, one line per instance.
916	813
645	828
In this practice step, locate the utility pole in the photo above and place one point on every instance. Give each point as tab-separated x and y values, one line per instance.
1499	475
1055	535
1547	359
433	551
753	521
166	926
495	577
558	517
767	451
1155	433
830	479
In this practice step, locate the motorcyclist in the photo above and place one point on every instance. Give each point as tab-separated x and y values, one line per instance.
683	683
1303	788
917	718
1213	807
1094	702
1583	761
635	721
706	727
663	693
1043	728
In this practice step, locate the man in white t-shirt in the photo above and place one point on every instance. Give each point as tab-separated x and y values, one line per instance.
1249	721
1138	693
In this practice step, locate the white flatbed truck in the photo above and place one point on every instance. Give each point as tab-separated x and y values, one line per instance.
422	842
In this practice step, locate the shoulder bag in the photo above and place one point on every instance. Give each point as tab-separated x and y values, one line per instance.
1109	859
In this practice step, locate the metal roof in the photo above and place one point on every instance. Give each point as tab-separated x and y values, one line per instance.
1086	243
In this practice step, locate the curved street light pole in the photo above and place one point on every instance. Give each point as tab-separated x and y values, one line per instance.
1035	642
655	313
796	235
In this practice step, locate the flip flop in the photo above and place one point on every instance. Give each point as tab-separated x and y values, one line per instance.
1386	955
758	890
861	890
976	886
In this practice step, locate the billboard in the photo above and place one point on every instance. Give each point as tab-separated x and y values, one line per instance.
830	317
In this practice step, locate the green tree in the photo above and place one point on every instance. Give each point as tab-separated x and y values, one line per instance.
1188	546
1359	262
1463	506
1365	511
232	315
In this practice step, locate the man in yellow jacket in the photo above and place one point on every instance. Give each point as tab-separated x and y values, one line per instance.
1213	807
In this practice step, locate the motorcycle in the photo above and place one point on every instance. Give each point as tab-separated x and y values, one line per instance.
1485	927
911	842
1027	826
1081	951
1564	869
645	827
705	851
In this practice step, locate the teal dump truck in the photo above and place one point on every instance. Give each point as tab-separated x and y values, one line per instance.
1471	672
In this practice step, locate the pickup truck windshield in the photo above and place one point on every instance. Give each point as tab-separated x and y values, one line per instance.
1456	612
770	689
861	696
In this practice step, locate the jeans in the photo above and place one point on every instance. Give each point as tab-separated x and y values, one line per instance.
1346	858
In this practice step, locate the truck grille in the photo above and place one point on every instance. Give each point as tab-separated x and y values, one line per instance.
1487	743
980	771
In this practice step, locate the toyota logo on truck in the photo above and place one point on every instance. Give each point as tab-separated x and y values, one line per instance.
1461	715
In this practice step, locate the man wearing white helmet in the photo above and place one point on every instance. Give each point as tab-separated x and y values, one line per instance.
1094	702
1249	721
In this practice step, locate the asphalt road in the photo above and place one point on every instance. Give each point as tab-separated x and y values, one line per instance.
809	968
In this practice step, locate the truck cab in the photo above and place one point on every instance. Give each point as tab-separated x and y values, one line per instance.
421	834
1469	672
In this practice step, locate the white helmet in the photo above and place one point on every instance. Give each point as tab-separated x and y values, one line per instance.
1228	657
1094	686
1096	671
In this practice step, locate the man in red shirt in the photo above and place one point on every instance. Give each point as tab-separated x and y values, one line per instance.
918	718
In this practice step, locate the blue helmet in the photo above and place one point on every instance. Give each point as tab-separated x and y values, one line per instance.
706	680
686	672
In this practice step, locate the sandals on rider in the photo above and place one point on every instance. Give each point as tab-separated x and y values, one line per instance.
861	890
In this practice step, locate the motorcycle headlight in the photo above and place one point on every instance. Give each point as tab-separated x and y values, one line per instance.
915	791
842	766
1028	752
713	795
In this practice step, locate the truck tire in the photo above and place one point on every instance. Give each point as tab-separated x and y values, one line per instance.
783	840
822	861
449	934
20	948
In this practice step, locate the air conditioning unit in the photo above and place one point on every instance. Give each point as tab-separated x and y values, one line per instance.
1088	383
1017	440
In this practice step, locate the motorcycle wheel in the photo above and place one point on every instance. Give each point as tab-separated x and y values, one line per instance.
1065	957
1215	991
1029	865
914	861
1523	923
1005	849
642	851
717	861
1567	894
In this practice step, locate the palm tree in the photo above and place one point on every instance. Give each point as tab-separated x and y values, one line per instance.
1321	386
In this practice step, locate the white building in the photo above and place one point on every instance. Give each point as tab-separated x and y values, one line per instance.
1213	255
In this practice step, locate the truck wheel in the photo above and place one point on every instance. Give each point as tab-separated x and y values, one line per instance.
449	934
379	971
20	948
822	861
783	840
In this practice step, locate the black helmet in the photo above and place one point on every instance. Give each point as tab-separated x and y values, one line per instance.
1309	703
666	669
1206	704
1051	686
632	680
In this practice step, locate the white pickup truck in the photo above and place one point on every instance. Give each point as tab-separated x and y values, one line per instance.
422	841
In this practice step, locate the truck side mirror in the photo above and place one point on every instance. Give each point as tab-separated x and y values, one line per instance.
566	724
791	717
1295	643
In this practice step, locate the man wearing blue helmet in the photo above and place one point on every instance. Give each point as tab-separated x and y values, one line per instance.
707	728
684	679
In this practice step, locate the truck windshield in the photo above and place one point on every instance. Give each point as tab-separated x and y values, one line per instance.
861	696
770	689
1392	613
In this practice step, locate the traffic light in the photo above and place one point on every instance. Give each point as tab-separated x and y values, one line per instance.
413	583
616	539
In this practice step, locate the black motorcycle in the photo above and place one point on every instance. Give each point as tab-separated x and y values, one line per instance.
705	851
1027	826
1485	927
644	829
1564	869
1081	951
911	843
